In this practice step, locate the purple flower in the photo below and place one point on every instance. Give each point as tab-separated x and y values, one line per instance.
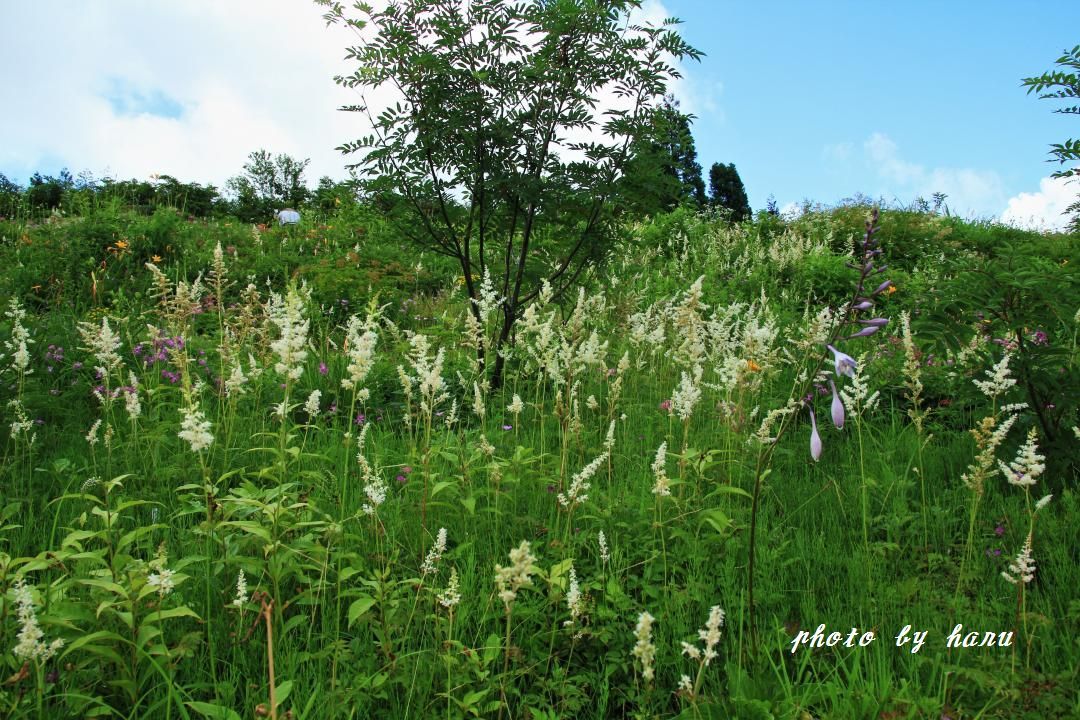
999	530
508	427
868	330
1039	338
815	439
837	407
76	365
360	419
401	479
845	364
323	369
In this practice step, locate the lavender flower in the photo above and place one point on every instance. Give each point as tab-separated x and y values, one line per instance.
845	364
837	407
815	439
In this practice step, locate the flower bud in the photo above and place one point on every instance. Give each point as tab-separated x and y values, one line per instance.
837	407
882	287
815	439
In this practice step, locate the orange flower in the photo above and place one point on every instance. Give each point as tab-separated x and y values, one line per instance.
155	258
121	245
752	366
892	289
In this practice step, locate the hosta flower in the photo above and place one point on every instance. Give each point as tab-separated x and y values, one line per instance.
815	438
845	364
837	407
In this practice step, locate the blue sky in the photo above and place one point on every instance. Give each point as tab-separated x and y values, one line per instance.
824	100
815	101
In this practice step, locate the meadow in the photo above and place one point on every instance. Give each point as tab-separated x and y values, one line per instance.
261	472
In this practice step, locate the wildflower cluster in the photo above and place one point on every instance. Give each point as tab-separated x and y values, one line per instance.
509	580
31	644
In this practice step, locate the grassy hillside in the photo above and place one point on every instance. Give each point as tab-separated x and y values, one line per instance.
253	471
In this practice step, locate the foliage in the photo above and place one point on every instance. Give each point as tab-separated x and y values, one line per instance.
269	183
1063	85
726	191
491	148
662	171
131	544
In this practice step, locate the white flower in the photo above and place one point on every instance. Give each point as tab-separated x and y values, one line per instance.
20	338
508	580
241	598
516	406
451	596
288	316
237	382
644	650
102	343
1028	465
574	600
92	436
131	398
1043	502
687	395
195	429
30	645
711	633
162	581
661	486
311	407
578	491
999	381
1023	570
435	553
478	402
601	540
360	347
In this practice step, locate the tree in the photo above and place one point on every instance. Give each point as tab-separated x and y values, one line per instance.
47	192
663	171
496	152
268	183
726	190
1063	86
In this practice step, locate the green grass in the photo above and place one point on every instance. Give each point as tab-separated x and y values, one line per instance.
357	630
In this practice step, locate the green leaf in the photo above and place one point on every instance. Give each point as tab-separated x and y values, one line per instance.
359	608
213	711
284	689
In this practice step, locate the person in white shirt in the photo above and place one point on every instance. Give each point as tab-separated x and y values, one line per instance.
288	216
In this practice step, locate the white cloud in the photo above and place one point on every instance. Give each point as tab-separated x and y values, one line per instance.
244	75
970	191
1042	210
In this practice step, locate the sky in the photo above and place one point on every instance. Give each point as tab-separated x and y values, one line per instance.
812	102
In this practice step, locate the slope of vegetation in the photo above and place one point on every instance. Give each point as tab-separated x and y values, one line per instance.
254	471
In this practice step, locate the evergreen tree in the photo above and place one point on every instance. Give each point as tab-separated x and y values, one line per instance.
726	190
664	172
